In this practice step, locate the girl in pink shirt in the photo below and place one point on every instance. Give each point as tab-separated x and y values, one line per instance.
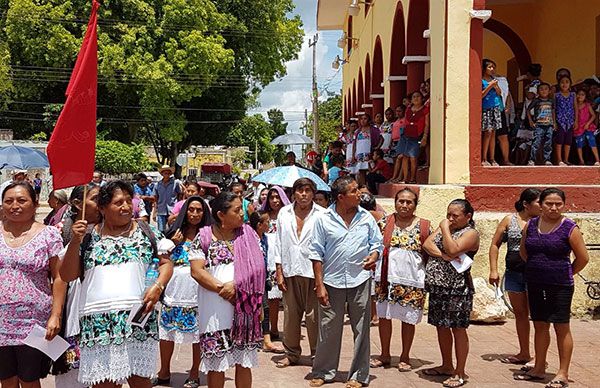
584	128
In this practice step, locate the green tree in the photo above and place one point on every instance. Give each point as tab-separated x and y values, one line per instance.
253	131
279	127
330	118
114	157
157	59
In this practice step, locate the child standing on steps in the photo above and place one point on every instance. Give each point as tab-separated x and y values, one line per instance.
585	128
543	120
566	118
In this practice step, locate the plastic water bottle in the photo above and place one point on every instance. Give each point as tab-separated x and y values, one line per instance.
152	273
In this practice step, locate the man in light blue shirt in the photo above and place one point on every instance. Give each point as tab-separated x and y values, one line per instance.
166	192
346	246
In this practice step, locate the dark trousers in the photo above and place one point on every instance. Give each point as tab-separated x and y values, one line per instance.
373	179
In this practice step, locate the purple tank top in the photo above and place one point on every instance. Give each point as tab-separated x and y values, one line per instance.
549	254
565	110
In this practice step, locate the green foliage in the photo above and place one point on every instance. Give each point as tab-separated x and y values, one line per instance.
114	157
6	85
239	160
40	136
160	55
330	118
253	131
279	127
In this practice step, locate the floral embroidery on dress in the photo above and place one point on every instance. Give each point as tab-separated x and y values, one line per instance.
183	319
107	250
112	328
272	225
220	253
180	255
219	343
402	295
366	155
407	239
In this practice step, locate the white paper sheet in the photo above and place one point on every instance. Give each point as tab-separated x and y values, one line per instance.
498	292
37	339
137	317
462	263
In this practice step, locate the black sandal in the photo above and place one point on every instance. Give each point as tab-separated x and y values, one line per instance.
158	381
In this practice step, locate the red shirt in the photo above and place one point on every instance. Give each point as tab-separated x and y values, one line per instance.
415	122
383	168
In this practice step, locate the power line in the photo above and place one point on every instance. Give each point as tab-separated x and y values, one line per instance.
160	107
63	71
128	121
116	23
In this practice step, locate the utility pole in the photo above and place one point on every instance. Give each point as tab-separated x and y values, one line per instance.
315	93
304	129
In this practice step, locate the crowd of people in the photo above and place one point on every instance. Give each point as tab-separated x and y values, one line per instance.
223	268
389	148
553	118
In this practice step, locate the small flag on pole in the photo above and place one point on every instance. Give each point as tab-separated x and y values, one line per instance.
72	146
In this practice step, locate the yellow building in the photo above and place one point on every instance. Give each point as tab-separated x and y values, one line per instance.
391	46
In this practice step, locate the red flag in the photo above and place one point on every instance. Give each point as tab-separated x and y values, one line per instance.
72	146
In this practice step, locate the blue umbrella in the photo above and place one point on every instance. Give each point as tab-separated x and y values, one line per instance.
22	158
286	176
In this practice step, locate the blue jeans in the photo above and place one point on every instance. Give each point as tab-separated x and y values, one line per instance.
514	281
542	135
162	222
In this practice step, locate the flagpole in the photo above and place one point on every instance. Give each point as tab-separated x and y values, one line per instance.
85	187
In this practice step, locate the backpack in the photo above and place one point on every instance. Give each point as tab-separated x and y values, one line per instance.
87	242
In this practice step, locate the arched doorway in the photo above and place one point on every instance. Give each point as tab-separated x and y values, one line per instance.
522	58
377	77
361	92
397	52
416	44
345	108
513	40
367	96
354	102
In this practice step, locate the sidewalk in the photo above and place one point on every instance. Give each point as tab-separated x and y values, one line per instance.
488	344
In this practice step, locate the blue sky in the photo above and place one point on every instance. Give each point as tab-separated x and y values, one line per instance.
292	93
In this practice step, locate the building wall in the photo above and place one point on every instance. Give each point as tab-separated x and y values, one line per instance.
557	33
454	136
379	22
457	113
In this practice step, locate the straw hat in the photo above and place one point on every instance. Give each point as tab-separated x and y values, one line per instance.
166	167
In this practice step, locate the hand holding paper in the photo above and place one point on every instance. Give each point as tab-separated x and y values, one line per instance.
462	263
37	339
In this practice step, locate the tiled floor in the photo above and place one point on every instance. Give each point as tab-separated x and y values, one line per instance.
488	343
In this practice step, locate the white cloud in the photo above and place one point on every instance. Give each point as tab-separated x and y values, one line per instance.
292	94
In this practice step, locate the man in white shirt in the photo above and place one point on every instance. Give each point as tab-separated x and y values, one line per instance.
295	275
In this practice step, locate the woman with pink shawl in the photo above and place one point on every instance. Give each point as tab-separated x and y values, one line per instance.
227	262
276	199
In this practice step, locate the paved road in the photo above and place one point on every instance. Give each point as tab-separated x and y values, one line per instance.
488	344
